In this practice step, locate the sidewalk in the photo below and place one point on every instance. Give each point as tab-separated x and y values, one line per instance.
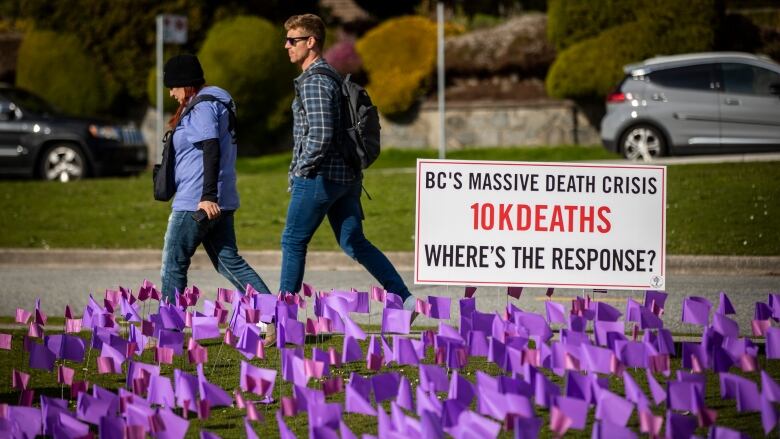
338	261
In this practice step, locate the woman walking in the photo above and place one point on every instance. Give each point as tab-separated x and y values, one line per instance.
205	178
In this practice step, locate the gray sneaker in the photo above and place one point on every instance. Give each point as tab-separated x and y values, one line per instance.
410	304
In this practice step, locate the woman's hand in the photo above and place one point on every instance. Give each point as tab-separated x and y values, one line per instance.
211	208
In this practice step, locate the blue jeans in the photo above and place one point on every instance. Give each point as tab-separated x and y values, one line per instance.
218	237
311	200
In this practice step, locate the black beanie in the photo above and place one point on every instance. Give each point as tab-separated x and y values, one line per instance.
183	71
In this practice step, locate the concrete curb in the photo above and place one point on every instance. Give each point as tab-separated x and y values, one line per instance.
338	261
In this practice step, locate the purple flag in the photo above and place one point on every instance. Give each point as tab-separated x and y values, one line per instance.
724	305
607	313
633	392
725	326
351	350
461	389
576	409
679	426
433	378
41	357
405	398
696	310
768	415
161	391
773	343
655	300
205	327
440	307
658	393
91	409
214	394
396	320
175	427
613	408
609	430
357	397
555	312
385	386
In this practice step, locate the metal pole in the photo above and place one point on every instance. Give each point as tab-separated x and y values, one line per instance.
440	57
159	127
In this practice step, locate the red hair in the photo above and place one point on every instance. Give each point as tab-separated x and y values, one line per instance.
189	92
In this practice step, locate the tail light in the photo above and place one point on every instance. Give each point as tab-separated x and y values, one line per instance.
616	97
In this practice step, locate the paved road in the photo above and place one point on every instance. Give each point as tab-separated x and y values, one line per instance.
57	287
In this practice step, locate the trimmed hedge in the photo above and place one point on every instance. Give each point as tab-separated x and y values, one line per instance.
245	56
55	67
399	56
591	68
572	21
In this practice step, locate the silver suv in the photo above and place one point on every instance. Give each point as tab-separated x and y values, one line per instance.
694	103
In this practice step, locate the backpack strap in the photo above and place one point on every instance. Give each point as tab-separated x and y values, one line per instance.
232	121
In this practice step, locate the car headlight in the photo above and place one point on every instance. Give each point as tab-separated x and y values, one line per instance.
105	132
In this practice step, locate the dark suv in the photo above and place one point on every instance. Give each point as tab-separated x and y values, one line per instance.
695	103
35	140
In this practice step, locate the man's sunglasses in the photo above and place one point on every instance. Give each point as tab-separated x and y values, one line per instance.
294	40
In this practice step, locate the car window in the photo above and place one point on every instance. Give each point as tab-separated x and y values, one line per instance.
698	77
746	79
28	101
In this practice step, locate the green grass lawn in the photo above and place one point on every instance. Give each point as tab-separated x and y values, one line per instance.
718	209
223	369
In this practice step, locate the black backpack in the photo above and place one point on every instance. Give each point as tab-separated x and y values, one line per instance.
163	174
359	144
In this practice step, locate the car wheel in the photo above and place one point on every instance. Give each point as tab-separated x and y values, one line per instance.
63	163
642	142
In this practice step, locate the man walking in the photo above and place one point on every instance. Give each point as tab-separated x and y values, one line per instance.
321	182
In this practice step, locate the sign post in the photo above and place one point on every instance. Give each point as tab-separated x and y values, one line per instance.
563	225
170	29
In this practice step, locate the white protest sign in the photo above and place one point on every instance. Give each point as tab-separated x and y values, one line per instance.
561	225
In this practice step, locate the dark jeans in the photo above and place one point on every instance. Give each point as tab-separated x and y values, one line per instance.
218	237
311	200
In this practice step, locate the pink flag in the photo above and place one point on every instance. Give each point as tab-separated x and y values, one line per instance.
65	375
163	355
19	380
252	315
73	326
5	341
35	330
240	402
26	397
423	307
198	354
252	413
334	356
313	368
307	289
469	292
107	365
760	327
22	316
332	386
378	294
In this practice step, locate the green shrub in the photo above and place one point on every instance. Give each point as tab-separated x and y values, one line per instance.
572	21
399	56
54	66
591	68
245	56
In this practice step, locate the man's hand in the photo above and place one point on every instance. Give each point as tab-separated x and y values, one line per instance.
211	208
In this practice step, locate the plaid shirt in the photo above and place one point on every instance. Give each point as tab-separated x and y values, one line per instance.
316	119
